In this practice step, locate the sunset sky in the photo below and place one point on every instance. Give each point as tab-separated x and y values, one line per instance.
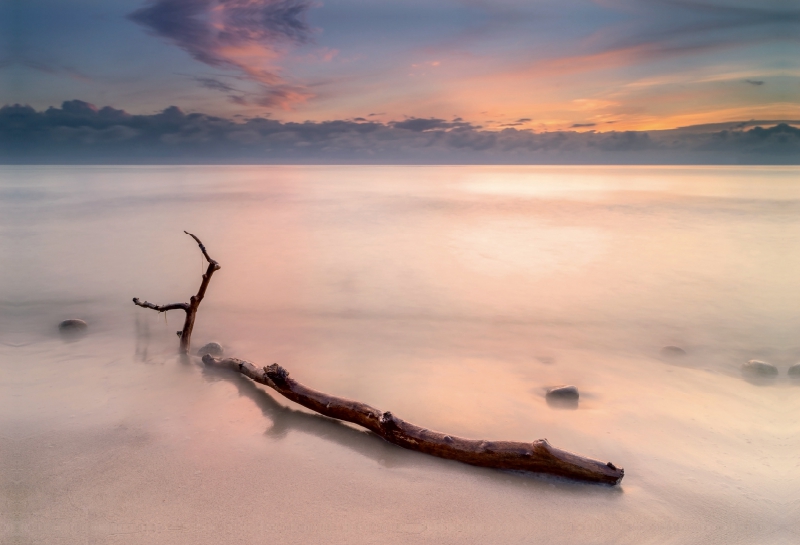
507	81
541	65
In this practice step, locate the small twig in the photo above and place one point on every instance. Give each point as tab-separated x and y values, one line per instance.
202	249
161	308
194	302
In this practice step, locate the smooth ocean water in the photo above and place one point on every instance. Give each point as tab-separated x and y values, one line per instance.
452	296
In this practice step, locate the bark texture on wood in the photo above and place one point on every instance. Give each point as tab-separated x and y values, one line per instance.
194	302
538	456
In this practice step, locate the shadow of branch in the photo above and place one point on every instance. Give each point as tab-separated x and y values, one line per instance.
285	419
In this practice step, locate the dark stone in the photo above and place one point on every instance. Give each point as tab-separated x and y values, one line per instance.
72	329
212	349
73	324
794	371
760	369
562	397
563	392
673	351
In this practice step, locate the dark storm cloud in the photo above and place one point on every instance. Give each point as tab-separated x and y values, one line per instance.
78	132
244	35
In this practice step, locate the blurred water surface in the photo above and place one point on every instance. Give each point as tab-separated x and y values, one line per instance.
453	296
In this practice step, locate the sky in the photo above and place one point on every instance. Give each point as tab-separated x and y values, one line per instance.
485	66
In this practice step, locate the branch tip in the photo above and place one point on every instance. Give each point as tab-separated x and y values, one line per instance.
203	249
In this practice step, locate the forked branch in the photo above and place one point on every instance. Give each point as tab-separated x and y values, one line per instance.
194	302
538	456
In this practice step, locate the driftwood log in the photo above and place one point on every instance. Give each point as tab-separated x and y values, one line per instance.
538	456
191	307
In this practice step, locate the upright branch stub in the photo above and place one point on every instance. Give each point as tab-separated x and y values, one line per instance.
194	302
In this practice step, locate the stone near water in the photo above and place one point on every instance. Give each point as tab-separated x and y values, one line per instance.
673	351
212	349
562	397
761	369
72	325
73	329
563	393
794	371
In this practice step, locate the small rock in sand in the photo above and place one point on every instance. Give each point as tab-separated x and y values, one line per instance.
212	349
563	392
73	324
673	351
72	329
760	369
794	371
562	397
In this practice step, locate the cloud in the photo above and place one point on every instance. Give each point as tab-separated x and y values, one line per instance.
50	68
79	132
215	84
580	125
418	124
754	81
652	30
244	35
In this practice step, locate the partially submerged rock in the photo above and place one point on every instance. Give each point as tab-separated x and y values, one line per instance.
73	328
563	392
563	397
73	324
760	369
212	349
673	352
794	371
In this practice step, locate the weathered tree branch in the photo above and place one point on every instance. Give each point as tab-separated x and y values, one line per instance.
537	456
194	302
